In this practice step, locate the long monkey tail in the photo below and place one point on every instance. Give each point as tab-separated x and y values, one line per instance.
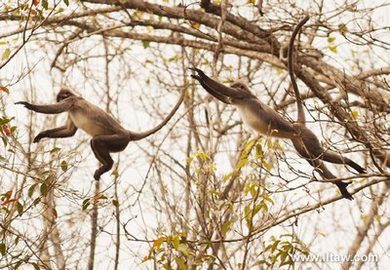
134	136
301	113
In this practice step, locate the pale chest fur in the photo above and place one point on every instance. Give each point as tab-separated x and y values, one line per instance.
83	121
253	120
265	120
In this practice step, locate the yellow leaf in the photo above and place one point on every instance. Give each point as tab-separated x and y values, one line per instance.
195	25
355	115
6	54
4	89
333	48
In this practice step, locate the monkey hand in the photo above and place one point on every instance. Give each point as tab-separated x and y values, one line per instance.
196	70
198	75
25	104
38	138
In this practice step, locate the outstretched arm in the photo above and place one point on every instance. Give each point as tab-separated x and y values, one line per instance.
215	94
219	90
60	107
134	136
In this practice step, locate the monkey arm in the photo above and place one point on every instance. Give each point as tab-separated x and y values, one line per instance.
215	94
68	130
60	107
134	136
216	88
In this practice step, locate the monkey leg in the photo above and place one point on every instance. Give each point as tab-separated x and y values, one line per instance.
312	153
339	159
102	145
325	173
308	145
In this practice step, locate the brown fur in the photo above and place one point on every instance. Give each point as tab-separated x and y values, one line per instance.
107	133
267	121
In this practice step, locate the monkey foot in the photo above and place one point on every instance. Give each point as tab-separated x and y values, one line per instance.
97	175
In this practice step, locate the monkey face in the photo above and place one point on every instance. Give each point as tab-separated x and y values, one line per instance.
63	94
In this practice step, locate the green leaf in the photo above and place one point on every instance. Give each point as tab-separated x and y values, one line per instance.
6	54
31	190
36	201
3	249
60	10
115	203
331	39
242	163
85	204
19	207
66	2
103	197
17	240
146	44
226	226
247	214
45	4
259	151
17	264
43	189
183	248
266	165
267	198
5	141
36	266
181	263
176	241
4	121
64	166
55	150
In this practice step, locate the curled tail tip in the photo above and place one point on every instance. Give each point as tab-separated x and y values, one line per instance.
358	168
348	196
343	190
345	193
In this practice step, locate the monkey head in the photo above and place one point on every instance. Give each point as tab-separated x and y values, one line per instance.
64	93
241	86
